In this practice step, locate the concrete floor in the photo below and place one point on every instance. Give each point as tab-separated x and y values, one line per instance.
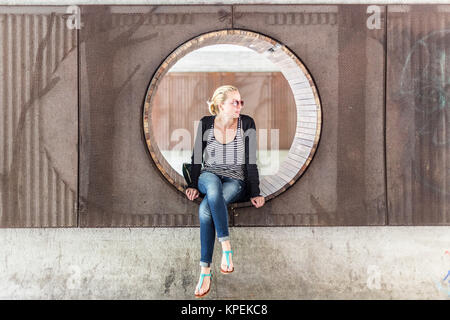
271	263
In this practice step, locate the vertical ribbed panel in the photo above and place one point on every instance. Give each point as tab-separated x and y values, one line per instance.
417	114
33	194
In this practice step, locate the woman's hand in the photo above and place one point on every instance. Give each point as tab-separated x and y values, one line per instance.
192	193
258	201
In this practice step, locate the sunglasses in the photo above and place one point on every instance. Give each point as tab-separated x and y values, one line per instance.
237	102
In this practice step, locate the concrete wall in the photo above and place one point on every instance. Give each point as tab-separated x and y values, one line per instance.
270	263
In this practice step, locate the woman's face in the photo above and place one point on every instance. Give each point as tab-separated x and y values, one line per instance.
232	105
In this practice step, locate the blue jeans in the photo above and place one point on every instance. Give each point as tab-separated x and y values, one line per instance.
213	214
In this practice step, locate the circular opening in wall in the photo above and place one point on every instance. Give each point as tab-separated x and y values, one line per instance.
279	94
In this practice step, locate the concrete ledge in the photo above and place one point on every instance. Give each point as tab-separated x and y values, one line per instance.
271	263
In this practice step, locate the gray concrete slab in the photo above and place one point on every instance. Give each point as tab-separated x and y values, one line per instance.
270	263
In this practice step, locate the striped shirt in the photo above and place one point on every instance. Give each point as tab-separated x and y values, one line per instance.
225	159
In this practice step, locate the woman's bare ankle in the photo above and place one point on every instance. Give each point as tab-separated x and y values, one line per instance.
226	246
205	269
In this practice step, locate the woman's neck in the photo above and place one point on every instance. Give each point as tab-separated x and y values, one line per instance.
224	121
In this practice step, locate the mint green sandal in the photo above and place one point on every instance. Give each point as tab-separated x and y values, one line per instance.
203	275
228	262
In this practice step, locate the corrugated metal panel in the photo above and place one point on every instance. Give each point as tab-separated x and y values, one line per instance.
37	191
418	102
33	192
344	183
119	183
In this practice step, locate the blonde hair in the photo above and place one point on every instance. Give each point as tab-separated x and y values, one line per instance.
219	97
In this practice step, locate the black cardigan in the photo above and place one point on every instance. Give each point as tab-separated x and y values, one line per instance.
250	168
